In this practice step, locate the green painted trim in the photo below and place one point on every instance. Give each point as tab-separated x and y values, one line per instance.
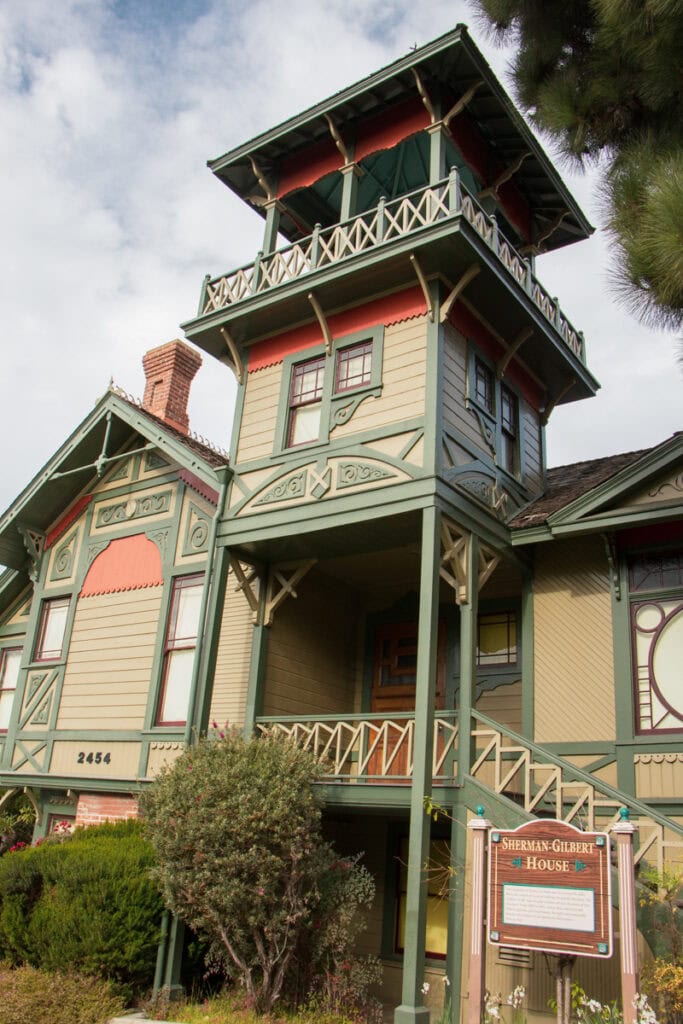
434	377
374	334
375	797
468	661
75	783
208	649
503	813
526	660
257	668
419	832
356	444
624	711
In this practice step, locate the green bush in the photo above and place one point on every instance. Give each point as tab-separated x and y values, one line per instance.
28	996
85	903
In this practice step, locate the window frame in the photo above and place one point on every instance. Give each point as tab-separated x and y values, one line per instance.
40	655
640	597
172	644
334	399
505	444
4	690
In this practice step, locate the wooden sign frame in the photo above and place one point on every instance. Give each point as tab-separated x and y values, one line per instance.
550	889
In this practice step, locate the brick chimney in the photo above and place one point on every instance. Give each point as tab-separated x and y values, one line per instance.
169	372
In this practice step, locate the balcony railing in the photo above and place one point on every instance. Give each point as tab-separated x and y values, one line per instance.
407	215
357	749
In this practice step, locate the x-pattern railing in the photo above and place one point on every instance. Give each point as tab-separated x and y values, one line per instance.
386	222
545	785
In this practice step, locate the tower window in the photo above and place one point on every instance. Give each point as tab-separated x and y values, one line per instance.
483	386
305	401
354	366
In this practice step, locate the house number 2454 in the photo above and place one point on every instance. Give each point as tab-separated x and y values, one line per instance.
97	758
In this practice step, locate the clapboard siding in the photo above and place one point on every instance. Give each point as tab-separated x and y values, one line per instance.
109	666
312	651
504	704
228	700
573	642
456	416
530	438
259	414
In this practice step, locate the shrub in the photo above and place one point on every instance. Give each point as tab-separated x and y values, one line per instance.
236	827
84	903
29	996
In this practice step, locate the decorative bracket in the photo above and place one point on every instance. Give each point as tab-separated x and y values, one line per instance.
550	230
245	582
460	104
338	141
504	176
423	285
262	180
462	282
613	563
238	364
324	326
553	402
424	95
455	544
504	360
34	542
280	585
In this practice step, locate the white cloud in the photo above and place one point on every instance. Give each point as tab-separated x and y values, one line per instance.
109	110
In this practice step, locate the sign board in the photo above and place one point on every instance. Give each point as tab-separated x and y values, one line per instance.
550	889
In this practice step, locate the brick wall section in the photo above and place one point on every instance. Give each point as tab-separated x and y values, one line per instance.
169	372
95	808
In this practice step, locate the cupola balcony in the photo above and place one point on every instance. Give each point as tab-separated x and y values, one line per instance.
436	232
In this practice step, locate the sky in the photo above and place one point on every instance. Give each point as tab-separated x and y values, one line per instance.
109	217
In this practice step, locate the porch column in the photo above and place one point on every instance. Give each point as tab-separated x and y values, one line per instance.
437	152
257	665
468	683
351	174
412	1009
273	209
212	633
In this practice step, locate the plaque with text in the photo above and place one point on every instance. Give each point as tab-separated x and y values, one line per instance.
550	889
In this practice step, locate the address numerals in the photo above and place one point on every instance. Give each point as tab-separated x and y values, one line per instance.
99	757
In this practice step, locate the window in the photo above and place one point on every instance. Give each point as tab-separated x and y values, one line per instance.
324	390
483	386
51	629
508	430
497	639
497	408
656	589
10	659
439	883
305	401
354	366
181	641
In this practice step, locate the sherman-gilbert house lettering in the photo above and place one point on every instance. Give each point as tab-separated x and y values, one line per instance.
384	569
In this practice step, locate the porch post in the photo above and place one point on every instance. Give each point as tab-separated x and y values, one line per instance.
412	1009
257	665
625	832
273	209
209	651
468	660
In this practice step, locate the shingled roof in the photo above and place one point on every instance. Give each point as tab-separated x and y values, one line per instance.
567	483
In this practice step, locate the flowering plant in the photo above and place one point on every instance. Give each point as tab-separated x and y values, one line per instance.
493	1005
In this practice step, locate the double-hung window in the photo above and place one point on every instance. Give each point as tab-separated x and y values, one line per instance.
51	629
179	649
497	407
497	640
10	659
316	386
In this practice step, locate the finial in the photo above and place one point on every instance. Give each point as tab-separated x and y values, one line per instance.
624	813
480	811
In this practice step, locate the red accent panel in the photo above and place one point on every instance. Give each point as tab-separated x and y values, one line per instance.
304	168
388	310
467	323
66	521
199	486
660	533
128	563
380	132
391	127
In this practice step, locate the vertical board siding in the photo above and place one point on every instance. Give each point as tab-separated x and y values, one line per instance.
109	667
659	775
228	700
403	381
312	651
259	415
455	416
574	670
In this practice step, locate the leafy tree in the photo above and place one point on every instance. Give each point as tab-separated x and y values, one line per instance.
603	77
237	829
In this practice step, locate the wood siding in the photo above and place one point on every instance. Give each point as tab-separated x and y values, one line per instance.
659	775
455	416
531	452
229	695
312	651
109	667
574	671
259	414
403	381
504	704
